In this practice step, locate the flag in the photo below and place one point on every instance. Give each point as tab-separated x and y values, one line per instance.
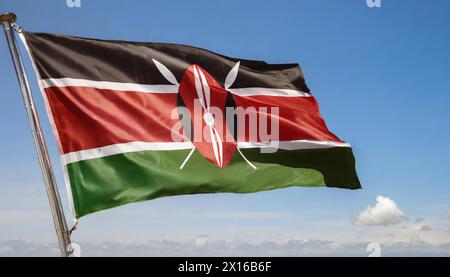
137	121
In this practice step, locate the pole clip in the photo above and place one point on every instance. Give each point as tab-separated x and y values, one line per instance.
73	228
16	27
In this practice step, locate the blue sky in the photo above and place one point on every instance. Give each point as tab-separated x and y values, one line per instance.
381	76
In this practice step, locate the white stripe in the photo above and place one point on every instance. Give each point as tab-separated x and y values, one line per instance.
137	146
268	92
69	82
254	91
293	144
121	148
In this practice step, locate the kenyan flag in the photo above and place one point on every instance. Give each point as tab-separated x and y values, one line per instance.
137	121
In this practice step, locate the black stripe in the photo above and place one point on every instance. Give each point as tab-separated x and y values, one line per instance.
60	56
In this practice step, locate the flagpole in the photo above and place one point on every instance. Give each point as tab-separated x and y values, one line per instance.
8	22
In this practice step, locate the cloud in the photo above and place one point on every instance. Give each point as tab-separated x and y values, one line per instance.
385	212
201	240
425	228
448	212
188	248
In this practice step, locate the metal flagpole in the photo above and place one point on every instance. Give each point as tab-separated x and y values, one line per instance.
8	21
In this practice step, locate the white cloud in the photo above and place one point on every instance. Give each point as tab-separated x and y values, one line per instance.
385	212
425	228
168	248
448	212
201	240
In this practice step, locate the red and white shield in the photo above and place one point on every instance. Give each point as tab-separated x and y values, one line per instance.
206	101
214	140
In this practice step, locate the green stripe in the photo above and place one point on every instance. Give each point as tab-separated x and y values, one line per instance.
111	181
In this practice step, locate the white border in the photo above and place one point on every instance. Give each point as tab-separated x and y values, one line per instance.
121	148
137	146
130	87
70	82
293	144
268	92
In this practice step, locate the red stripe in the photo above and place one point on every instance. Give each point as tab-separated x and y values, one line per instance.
299	117
87	118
